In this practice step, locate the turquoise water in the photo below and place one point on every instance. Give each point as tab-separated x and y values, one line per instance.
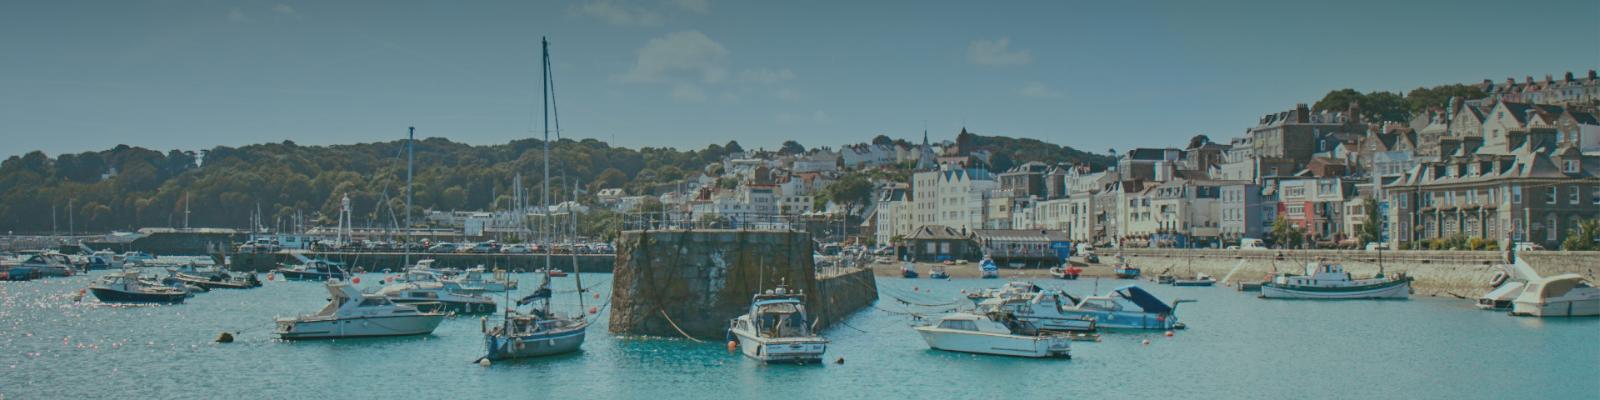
1237	347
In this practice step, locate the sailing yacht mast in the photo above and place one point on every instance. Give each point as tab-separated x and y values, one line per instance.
411	136
544	204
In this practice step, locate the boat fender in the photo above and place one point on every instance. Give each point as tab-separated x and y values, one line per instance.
519	344
484	361
1498	279
733	345
483	324
839	361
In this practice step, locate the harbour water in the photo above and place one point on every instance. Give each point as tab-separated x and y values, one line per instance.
1236	347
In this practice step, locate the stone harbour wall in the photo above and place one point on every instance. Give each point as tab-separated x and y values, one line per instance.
590	263
1462	273
840	294
701	279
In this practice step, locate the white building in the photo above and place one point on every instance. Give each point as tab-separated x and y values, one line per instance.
951	197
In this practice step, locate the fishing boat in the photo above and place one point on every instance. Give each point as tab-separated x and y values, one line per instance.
1042	310
433	296
1127	307
1068	272
937	272
988	269
1200	279
1565	295
352	314
776	329
908	270
1331	282
126	287
541	331
213	278
313	270
1125	270
499	281
980	334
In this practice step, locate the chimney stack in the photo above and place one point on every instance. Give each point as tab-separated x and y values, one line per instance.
1528	79
1591	75
1569	76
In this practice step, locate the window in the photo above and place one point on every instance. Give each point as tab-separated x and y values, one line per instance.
1516	194
1572	195
959	325
1551	227
1550	195
1572	166
1594	197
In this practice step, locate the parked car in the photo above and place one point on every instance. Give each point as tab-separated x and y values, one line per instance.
1528	246
485	247
516	248
602	248
1251	244
443	248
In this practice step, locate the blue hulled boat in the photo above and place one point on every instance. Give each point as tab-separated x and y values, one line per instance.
1127	307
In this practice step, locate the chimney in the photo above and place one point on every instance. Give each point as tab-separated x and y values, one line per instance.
1354	111
1302	113
1569	76
1528	79
1591	75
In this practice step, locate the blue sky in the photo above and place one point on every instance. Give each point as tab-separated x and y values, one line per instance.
83	75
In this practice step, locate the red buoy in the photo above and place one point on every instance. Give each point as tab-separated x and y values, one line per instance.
356	280
593	310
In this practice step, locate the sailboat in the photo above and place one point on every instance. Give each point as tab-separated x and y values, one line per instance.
539	331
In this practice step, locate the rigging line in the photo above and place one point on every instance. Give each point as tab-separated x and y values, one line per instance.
675	326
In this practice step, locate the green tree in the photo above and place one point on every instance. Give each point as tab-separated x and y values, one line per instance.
1420	99
792	147
852	193
1583	237
1371	230
1286	234
882	140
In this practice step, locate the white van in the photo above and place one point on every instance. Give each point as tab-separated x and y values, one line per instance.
1251	244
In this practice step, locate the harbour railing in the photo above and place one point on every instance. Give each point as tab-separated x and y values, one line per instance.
645	221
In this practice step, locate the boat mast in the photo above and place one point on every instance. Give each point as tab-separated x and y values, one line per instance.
544	204
577	273
411	136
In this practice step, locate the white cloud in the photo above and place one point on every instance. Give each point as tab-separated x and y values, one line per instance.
998	52
766	76
689	93
680	54
699	6
1037	89
618	13
284	9
237	15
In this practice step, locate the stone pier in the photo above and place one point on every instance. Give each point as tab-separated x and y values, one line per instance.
370	261
701	279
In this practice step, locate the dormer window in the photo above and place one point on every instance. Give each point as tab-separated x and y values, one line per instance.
1572	166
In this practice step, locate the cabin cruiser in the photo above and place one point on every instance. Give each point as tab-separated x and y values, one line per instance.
500	281
777	329
1330	281
433	296
1507	283
313	270
49	265
982	334
535	333
431	276
1041	310
1127	307
1011	289
351	314
1565	295
126	287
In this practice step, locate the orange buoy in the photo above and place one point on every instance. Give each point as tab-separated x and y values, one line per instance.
733	345
356	280
593	310
270	275
1169	333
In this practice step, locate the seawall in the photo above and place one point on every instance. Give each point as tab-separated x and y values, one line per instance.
696	281
596	263
1464	273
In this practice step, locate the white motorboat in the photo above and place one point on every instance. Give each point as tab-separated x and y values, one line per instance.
1508	284
499	281
1011	289
351	314
1565	295
777	329
1331	282
1127	307
434	296
1043	310
980	334
427	275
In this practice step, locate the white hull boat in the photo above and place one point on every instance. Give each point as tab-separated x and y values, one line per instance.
776	329
351	314
1565	295
1042	310
978	334
1331	282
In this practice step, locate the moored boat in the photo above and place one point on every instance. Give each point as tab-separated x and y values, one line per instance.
1127	307
776	329
1200	279
1068	272
1040	310
351	314
980	334
937	272
126	287
433	296
1565	295
908	270
1331	282
987	269
313	270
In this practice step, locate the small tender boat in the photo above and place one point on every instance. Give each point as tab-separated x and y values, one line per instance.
988	269
908	271
1127	307
500	281
351	314
777	329
1200	279
980	334
553	273
1067	272
1011	289
433	296
1565	295
126	287
938	273
1331	282
1124	270
313	270
1508	283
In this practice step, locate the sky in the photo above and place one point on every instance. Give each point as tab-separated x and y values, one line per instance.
89	75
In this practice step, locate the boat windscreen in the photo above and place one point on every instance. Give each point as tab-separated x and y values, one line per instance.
1144	299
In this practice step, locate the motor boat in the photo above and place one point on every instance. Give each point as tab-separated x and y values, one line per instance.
937	272
981	334
988	269
777	329
352	314
1331	282
499	281
1127	307
313	270
908	270
126	287
552	272
1125	270
1010	289
1068	272
1507	283
433	296
1565	295
428	275
1041	310
213	278
1200	279
49	265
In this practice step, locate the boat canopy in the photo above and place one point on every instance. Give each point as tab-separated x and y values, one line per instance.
1506	292
1559	285
1144	299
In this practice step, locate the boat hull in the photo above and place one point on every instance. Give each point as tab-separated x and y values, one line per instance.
1127	273
543	344
1194	283
1124	320
781	350
1558	308
310	275
458	307
358	327
117	296
1399	289
995	344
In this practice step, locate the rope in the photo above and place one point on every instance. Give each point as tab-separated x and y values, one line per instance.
675	326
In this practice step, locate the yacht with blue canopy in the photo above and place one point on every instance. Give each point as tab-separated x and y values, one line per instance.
1128	307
